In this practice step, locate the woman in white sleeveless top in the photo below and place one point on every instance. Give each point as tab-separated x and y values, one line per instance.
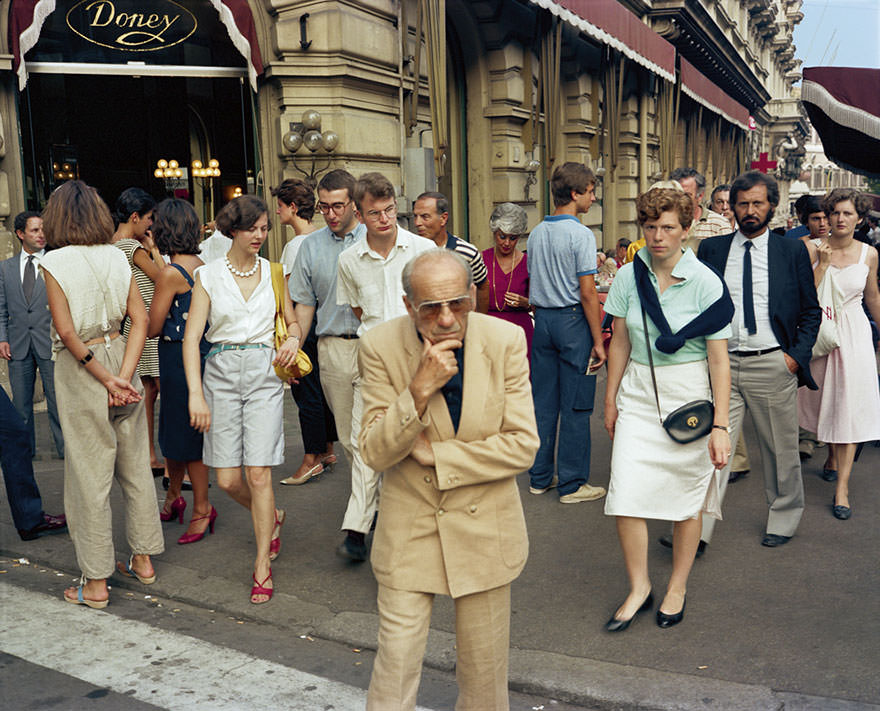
239	403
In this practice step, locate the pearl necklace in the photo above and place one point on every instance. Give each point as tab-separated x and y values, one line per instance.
249	272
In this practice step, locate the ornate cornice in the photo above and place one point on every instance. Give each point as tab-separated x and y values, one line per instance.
703	42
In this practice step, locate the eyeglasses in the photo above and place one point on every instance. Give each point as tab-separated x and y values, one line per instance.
390	212
507	238
336	207
432	309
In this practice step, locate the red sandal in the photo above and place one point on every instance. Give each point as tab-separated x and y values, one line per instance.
258	589
275	543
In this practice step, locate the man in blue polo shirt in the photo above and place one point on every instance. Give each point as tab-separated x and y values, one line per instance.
567	346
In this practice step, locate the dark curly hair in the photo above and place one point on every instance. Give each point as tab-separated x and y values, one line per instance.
176	227
241	213
861	202
655	202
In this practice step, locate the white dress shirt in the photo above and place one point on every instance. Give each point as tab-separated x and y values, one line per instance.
371	282
742	340
23	257
231	319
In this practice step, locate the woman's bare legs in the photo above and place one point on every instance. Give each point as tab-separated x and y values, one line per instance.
176	470
844	455
685	539
151	392
633	535
259	481
257	495
198	476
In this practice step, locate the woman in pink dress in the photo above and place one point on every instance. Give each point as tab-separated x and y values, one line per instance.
508	275
845	410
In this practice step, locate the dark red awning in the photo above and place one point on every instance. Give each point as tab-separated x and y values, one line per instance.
704	91
843	104
609	23
27	18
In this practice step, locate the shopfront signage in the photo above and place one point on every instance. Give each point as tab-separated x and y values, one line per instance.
132	25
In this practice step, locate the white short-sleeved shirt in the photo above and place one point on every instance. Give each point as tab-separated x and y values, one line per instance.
288	254
214	247
231	319
372	283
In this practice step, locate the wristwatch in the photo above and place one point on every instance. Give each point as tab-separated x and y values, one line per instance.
721	427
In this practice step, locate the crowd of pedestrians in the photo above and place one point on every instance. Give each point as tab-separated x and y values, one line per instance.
443	372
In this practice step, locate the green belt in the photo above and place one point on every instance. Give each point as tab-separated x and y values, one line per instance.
220	347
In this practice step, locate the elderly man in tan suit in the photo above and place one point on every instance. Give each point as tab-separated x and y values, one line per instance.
448	417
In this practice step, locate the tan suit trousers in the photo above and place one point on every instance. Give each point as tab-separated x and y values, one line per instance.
482	631
341	382
103	444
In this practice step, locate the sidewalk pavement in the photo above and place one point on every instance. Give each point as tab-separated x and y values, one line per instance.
795	627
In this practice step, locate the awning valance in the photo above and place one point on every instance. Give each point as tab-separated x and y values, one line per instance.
704	91
27	18
843	104
609	23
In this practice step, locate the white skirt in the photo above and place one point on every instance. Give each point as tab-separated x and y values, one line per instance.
652	476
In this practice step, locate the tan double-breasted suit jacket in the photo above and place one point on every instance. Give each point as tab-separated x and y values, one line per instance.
455	528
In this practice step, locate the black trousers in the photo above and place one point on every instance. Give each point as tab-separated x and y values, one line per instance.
315	419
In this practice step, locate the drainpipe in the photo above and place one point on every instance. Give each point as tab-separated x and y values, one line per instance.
643	140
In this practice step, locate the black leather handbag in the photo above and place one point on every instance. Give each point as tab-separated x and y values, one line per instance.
688	422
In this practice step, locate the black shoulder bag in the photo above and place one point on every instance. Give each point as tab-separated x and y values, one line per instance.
690	421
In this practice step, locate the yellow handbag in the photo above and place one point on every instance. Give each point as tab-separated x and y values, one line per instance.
302	366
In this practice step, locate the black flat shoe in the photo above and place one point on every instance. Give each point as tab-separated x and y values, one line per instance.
667	542
664	620
615	625
773	540
841	512
829	474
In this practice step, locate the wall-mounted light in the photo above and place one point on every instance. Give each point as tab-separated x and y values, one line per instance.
308	133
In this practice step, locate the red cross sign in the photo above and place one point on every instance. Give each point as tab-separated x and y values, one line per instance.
763	164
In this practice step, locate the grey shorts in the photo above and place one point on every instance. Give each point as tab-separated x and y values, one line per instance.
246	400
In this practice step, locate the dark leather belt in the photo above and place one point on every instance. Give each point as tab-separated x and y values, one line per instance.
748	354
347	336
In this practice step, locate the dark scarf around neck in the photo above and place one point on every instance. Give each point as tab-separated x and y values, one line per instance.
712	320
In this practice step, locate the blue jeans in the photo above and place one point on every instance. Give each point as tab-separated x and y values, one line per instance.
22	376
18	470
563	396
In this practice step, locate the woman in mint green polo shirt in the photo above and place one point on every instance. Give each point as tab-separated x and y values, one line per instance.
653	476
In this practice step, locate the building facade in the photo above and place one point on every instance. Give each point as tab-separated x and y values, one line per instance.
479	98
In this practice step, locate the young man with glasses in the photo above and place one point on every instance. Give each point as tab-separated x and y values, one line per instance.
312	286
369	281
431	215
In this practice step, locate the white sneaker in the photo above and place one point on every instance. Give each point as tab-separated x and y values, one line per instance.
585	493
537	491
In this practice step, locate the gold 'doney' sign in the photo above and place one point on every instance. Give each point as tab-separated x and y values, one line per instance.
129	26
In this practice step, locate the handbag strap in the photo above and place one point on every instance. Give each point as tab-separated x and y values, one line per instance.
651	362
277	273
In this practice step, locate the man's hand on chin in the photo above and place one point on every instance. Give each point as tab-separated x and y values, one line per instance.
422	451
436	367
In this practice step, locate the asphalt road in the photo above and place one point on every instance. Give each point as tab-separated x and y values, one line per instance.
797	627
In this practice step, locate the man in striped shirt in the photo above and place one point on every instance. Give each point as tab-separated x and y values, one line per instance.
431	214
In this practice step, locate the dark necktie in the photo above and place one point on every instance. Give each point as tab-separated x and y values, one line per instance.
748	301
30	276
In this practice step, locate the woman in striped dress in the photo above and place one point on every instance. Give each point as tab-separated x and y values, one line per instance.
134	217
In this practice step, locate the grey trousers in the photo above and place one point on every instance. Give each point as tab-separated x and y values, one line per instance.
765	386
104	444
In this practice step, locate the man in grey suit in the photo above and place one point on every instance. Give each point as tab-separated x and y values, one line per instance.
24	326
